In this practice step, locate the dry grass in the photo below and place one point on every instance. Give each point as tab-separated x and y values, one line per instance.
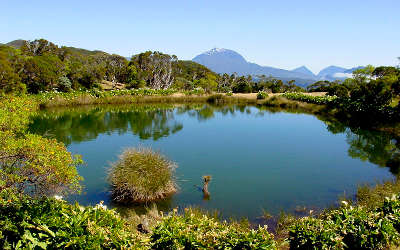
129	99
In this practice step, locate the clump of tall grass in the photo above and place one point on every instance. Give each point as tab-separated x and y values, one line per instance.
142	175
372	197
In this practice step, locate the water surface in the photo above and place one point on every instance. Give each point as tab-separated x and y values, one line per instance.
258	159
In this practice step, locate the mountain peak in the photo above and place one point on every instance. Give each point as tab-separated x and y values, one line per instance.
304	70
215	51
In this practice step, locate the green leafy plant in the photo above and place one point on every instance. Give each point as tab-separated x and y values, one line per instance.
350	227
50	223
193	230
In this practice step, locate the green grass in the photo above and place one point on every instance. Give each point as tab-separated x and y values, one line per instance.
142	175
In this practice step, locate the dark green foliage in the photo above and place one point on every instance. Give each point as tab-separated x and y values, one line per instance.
41	73
350	227
10	81
270	84
242	85
320	86
194	230
338	90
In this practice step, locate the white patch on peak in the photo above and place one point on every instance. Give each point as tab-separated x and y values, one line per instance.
214	51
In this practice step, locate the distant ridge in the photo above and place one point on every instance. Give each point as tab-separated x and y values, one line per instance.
228	61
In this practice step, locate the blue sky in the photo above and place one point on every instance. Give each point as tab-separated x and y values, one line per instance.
284	34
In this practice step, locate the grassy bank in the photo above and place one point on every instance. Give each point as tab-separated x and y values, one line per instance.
52	99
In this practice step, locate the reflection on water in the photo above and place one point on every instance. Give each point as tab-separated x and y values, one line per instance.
259	158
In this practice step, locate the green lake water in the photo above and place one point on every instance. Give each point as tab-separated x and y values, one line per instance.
258	159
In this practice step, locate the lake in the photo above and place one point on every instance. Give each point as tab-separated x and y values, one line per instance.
258	158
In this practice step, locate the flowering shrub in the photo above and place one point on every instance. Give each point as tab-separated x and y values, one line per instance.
309	98
198	231
29	223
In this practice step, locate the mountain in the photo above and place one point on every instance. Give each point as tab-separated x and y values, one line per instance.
330	71
229	61
16	43
304	70
333	73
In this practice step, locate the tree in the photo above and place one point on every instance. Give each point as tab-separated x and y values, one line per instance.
319	86
155	68
208	83
39	47
9	80
242	85
41	73
116	68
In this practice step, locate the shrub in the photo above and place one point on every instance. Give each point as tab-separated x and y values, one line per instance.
142	175
27	223
194	230
29	162
350	227
64	84
261	95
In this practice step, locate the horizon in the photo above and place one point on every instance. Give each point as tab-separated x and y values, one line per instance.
311	34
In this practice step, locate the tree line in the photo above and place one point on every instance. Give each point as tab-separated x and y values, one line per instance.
40	65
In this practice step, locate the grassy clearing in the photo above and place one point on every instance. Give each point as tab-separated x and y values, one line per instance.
142	175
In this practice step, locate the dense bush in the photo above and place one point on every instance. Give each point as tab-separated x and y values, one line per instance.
261	95
350	227
142	175
31	163
27	223
198	231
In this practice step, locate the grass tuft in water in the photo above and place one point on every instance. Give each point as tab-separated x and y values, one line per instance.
142	175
